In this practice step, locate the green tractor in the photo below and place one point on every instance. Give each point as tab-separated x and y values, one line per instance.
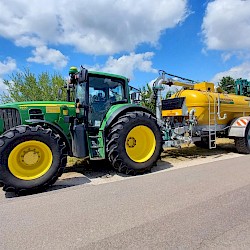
101	123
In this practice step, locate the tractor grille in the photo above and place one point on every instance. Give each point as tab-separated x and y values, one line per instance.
11	118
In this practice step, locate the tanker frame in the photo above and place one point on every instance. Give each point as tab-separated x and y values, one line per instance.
200	112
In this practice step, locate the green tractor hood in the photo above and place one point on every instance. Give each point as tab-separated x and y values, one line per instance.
17	113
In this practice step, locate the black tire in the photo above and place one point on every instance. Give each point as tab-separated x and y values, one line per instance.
15	138
118	143
242	144
204	143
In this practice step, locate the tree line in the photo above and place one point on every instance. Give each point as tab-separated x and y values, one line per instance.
26	86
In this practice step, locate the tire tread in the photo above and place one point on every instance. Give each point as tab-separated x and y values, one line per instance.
8	136
112	149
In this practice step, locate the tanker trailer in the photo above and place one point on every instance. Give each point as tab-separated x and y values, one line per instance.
199	112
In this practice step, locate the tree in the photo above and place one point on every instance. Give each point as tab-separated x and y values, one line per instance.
170	92
227	84
148	98
25	86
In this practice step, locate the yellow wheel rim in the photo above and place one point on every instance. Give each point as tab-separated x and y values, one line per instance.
30	160
140	144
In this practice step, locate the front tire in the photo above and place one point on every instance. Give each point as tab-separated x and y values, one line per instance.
134	143
31	158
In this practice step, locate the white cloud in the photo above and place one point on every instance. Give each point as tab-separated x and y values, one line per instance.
48	56
7	66
2	86
226	25
94	27
226	56
127	64
240	71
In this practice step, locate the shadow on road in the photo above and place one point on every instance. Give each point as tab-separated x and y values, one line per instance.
80	172
60	184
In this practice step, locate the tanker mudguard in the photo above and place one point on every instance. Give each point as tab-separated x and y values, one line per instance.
129	108
238	127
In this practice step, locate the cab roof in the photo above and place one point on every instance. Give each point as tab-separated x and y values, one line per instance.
108	75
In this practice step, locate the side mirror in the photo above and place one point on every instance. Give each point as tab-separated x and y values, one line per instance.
83	75
133	96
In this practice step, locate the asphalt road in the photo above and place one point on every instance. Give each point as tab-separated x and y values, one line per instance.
198	207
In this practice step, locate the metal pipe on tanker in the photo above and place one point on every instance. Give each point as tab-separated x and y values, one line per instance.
159	88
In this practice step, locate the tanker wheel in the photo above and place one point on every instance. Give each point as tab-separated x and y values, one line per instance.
204	143
134	143
31	158
242	144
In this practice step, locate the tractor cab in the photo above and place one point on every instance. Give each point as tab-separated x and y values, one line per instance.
95	93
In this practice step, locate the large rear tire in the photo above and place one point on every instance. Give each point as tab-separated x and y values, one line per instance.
31	158
242	144
134	143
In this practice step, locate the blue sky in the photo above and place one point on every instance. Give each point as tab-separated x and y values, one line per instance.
199	40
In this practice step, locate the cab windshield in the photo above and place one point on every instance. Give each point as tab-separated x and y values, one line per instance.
101	89
105	90
103	93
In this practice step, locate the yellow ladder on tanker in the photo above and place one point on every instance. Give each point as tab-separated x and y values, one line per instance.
212	121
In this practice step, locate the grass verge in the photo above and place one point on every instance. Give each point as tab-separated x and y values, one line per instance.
173	155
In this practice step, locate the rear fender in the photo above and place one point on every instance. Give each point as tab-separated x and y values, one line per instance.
122	110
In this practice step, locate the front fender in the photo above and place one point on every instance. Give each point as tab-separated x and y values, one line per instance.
55	128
